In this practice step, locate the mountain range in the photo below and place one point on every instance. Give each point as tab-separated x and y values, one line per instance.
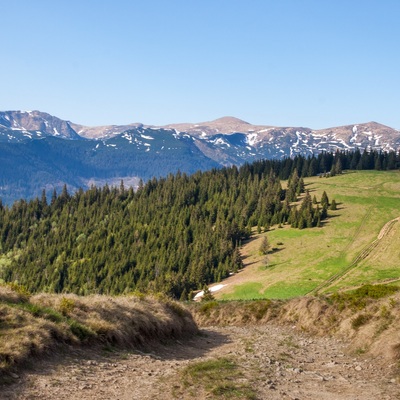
40	151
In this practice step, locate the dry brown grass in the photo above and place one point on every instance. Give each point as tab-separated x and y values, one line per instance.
7	294
124	320
23	335
371	326
32	325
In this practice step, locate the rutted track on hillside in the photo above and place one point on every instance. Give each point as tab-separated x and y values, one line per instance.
361	256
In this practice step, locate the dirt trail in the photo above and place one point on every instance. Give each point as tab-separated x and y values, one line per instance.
388	226
277	362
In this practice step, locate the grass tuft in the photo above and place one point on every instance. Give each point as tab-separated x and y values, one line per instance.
207	306
360	320
218	377
82	332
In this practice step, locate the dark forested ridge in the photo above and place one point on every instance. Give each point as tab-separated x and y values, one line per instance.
30	166
173	234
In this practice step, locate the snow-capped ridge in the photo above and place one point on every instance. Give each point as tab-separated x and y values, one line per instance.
227	140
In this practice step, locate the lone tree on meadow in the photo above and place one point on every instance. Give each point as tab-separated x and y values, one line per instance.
264	249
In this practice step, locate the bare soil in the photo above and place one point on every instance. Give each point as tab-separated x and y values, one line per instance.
278	362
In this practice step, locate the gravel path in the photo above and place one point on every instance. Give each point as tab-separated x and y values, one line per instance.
277	362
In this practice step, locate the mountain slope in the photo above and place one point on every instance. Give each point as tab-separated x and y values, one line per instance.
34	124
33	165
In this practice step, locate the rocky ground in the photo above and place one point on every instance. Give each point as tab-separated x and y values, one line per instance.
275	362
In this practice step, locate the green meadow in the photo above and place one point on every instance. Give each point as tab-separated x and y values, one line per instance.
303	261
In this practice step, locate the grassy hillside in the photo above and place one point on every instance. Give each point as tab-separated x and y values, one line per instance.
302	261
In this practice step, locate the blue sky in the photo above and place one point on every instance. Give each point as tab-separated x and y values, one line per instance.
310	63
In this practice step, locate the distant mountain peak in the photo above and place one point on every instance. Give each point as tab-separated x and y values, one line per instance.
230	120
224	125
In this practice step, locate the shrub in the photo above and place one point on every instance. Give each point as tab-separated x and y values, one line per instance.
360	320
206	307
358	298
375	291
259	308
19	289
66	306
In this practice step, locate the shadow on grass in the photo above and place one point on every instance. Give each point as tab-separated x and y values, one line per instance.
271	266
276	250
327	220
248	265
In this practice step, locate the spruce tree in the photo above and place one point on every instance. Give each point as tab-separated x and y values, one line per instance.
207	294
324	200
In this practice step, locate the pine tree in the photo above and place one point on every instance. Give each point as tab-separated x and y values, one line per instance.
324	200
338	166
300	186
312	169
237	260
207	294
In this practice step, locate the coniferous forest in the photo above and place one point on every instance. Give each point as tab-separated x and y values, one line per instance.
173	234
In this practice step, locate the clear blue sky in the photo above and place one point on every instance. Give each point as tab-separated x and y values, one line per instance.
312	63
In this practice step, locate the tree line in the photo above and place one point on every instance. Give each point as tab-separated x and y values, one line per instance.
173	234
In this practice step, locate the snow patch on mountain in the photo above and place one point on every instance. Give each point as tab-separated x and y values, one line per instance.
219	142
146	137
252	138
